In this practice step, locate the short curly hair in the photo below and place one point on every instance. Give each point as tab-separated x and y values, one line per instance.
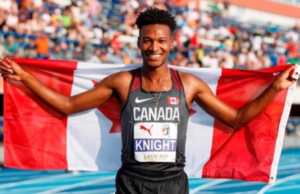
156	16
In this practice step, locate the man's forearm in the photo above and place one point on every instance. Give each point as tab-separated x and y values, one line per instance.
56	100
252	109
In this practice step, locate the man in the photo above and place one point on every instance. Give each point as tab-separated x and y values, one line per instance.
155	103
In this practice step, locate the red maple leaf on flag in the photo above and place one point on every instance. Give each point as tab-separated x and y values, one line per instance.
111	110
192	112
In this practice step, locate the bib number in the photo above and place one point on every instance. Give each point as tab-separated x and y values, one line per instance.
155	142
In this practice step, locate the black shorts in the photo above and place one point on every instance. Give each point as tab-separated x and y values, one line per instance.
127	183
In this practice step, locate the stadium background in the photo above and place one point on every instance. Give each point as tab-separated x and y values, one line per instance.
231	34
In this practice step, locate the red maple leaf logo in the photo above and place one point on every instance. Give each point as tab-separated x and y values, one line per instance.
111	110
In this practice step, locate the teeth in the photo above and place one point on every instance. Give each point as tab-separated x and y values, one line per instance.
154	56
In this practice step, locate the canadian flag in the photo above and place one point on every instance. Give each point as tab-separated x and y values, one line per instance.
173	100
38	137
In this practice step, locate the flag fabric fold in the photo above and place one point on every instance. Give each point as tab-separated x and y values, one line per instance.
38	137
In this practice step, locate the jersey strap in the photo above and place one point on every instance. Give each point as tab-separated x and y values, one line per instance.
177	81
136	82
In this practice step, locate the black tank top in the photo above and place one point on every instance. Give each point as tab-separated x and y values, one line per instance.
154	137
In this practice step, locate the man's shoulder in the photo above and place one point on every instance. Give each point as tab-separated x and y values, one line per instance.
121	79
187	77
123	74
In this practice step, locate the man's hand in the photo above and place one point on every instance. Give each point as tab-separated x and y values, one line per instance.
10	69
284	81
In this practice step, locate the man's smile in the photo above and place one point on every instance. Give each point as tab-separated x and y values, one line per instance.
153	56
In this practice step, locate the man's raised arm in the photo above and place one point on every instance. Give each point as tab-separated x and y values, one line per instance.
63	104
237	118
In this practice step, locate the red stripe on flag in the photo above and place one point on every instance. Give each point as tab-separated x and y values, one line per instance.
27	143
246	154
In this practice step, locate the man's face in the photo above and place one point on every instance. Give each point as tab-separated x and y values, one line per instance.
155	43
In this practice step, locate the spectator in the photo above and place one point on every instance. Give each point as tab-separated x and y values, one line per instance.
94	9
56	52
12	20
42	46
116	43
80	52
199	54
281	59
210	60
6	5
75	9
95	58
180	60
11	47
131	51
30	49
66	17
115	57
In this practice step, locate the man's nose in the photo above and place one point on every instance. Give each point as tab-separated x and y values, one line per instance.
154	46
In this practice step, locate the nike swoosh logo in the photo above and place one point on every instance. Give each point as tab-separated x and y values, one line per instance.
137	100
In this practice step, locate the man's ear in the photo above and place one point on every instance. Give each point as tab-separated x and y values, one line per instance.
138	42
172	42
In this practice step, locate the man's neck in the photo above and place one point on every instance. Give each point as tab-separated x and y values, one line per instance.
155	75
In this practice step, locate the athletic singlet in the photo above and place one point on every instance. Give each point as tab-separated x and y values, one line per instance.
154	137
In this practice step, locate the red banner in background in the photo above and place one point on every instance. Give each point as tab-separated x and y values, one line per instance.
180	3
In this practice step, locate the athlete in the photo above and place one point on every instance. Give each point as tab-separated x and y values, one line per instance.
155	103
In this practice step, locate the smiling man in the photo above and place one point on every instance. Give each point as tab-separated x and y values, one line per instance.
156	103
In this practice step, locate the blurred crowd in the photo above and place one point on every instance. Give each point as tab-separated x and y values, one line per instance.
82	31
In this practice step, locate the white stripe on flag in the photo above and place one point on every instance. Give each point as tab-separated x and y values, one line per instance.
200	127
83	133
89	144
281	132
